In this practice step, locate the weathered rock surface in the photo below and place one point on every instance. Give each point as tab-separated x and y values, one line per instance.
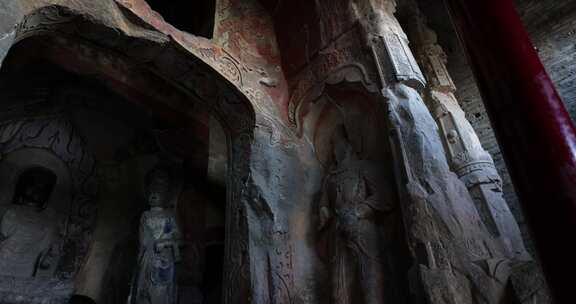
280	94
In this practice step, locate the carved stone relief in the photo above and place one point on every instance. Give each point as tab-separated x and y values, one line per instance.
155	276
335	19
388	42
229	106
456	258
467	158
66	219
355	201
344	61
393	48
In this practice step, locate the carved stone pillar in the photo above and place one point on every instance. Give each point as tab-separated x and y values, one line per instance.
466	156
395	62
457	259
538	140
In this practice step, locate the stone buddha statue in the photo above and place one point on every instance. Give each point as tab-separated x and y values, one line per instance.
29	227
155	278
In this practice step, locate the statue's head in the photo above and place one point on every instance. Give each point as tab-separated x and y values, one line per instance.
158	187
342	147
34	187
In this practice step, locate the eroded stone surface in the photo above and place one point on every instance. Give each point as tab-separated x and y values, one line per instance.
394	203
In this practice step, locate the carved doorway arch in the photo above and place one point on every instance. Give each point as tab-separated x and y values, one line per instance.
166	78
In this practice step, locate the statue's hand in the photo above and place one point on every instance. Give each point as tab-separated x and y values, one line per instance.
160	245
364	211
171	245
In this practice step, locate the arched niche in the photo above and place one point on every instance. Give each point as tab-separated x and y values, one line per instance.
356	110
14	163
45	256
347	114
163	78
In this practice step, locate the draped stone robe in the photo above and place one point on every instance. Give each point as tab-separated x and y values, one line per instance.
155	280
26	237
353	194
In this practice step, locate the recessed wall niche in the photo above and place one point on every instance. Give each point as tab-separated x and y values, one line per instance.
76	157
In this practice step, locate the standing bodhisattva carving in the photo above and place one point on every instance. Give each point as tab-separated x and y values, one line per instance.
352	202
155	278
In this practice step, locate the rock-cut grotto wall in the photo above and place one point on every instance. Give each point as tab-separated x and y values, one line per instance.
551	25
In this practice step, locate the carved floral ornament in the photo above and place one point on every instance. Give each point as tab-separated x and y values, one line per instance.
341	62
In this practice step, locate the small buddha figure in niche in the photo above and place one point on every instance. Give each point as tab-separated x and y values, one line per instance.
29	227
352	204
155	276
